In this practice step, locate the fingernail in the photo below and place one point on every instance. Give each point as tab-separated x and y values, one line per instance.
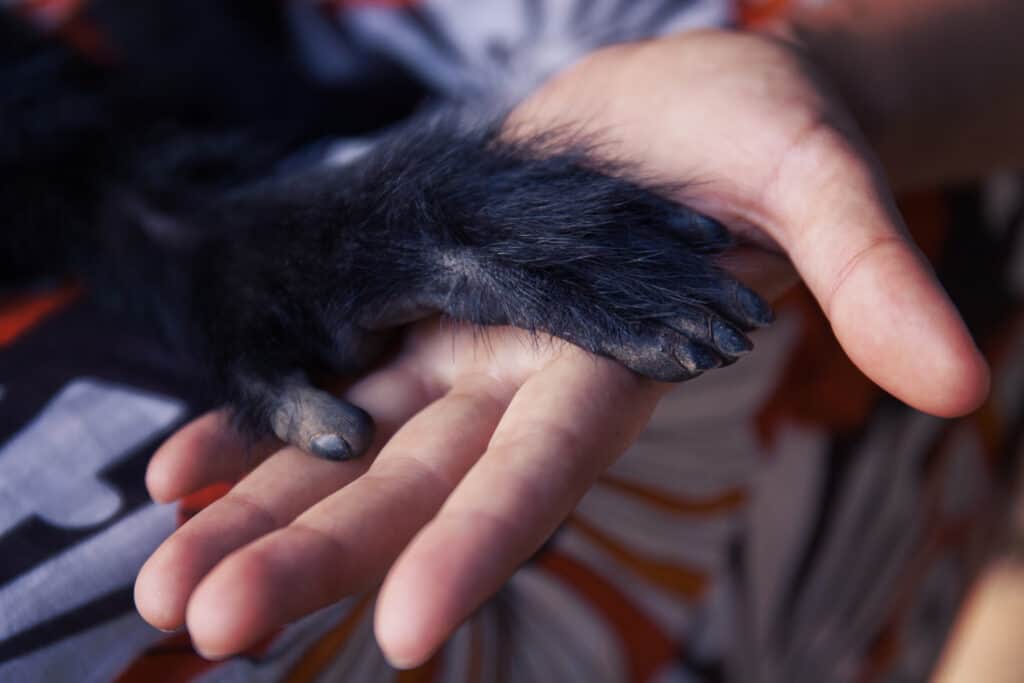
755	307
730	340
710	230
697	358
330	447
713	229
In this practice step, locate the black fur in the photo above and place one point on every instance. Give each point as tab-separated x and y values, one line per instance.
178	203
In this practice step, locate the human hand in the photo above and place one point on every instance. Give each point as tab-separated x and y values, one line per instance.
771	151
489	440
479	472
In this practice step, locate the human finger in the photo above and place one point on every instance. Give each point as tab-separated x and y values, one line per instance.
271	496
839	225
562	428
205	451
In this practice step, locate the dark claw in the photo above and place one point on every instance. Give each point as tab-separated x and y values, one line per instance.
728	339
667	355
758	312
699	229
330	447
695	358
708	328
741	305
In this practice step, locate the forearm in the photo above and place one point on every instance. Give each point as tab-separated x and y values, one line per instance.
937	85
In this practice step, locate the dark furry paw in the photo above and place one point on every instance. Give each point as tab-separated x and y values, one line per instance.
313	271
124	176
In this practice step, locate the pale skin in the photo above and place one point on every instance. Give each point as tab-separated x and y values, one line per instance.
486	444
